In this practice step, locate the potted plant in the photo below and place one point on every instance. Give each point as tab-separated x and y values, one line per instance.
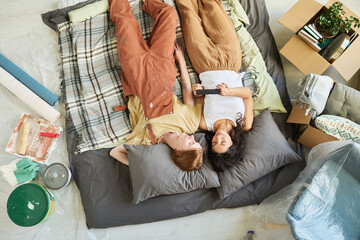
332	21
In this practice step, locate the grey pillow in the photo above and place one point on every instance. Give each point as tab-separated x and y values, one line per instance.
153	172
265	150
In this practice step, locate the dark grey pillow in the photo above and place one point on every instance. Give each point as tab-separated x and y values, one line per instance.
153	172
265	150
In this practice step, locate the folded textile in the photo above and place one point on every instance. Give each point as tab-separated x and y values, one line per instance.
53	18
314	92
338	127
20	172
28	81
249	80
88	11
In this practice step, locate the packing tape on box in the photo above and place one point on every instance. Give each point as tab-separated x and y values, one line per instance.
28	81
26	95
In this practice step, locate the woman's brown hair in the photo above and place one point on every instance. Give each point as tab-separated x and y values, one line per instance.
188	160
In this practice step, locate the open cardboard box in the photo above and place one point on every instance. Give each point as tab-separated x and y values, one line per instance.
302	55
310	136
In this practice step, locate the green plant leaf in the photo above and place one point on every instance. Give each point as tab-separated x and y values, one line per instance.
332	21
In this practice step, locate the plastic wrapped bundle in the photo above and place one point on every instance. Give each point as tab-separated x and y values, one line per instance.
328	203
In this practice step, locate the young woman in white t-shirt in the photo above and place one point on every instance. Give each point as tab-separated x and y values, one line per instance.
227	117
216	55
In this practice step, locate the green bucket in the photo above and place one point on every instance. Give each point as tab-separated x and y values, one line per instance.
30	204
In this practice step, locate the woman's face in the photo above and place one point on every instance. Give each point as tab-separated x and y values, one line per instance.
221	142
181	141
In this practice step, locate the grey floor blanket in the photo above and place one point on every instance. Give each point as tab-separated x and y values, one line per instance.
105	184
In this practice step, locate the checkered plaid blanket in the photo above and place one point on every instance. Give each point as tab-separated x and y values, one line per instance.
91	79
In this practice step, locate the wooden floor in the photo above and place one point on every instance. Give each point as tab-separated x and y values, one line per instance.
26	41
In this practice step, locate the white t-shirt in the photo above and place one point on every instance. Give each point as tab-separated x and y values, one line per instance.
218	107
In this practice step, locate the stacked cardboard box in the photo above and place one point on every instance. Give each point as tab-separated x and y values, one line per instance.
310	136
308	60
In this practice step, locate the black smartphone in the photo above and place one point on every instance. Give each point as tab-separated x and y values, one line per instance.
208	91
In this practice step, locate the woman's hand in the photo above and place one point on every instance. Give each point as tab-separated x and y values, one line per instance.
179	54
225	90
196	87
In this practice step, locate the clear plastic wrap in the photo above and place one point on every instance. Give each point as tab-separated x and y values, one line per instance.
323	202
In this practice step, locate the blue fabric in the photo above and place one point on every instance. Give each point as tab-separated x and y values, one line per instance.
329	207
28	81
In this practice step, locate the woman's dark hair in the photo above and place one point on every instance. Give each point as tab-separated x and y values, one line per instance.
222	161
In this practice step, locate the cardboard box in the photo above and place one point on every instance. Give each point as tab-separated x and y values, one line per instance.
302	55
310	136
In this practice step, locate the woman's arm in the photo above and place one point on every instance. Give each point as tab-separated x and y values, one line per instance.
249	114
200	100
185	78
246	95
241	92
120	154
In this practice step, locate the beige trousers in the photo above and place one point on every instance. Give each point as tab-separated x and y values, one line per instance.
210	37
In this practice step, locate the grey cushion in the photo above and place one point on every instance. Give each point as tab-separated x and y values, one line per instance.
265	150
53	18
344	102
153	172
